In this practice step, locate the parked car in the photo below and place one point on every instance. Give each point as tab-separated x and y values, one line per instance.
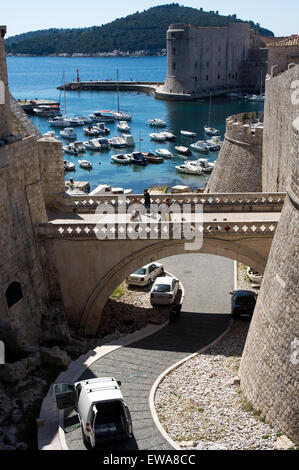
102	411
145	275
164	290
243	303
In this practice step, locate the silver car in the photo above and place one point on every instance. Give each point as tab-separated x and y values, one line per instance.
145	275
164	290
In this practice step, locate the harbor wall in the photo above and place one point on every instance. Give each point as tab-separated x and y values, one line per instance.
239	164
281	109
5	118
51	164
269	366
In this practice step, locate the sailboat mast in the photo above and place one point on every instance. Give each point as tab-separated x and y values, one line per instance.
117	91
209	119
65	110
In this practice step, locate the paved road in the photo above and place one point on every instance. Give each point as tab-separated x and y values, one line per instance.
207	280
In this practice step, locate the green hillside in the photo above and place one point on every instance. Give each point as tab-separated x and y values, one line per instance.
141	31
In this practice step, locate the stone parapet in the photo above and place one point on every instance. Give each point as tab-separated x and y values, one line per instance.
51	168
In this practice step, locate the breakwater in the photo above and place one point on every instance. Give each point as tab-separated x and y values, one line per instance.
109	85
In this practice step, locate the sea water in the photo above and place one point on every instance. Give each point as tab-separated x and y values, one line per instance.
39	77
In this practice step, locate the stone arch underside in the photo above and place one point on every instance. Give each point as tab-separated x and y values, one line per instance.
106	266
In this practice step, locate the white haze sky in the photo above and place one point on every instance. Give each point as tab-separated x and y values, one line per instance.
20	16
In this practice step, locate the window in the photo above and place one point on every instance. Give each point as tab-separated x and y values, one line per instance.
173	50
13	294
219	63
207	77
195	78
218	76
173	65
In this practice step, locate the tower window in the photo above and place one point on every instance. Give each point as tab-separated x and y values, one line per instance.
13	294
173	65
207	77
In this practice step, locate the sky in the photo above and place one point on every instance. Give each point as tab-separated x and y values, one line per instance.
280	16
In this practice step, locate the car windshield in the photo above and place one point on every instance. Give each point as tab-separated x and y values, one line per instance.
141	271
162	288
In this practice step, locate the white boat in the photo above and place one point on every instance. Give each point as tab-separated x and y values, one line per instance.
85	164
47	110
257	98
93	144
118	142
164	153
183	150
211	146
102	116
74	148
160	137
51	134
169	136
188	133
100	126
87	120
69	166
106	189
199	146
202	163
121	159
189	169
76	121
68	133
59	121
120	115
123	126
211	130
129	140
157	122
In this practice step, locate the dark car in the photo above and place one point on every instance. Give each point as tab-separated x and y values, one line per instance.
243	303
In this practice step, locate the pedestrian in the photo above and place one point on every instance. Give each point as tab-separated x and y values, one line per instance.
147	201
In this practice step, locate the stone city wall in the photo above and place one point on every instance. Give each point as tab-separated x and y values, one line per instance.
281	57
239	164
269	367
280	111
51	168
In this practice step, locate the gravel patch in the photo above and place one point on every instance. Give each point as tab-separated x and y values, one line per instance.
201	406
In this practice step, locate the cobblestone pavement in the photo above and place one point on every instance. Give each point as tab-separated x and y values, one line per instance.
138	365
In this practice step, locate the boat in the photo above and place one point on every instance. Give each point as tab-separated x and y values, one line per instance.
118	142
87	120
183	150
169	136
51	134
123	126
216	140
74	148
93	144
210	130
164	153
68	133
106	188
121	159
59	121
76	121
202	163
157	122
102	116
160	137
188	133
100	126
199	146
69	166
47	110
189	169
85	164
257	98
254	276
91	131
152	158
120	115
129	140
138	159
211	146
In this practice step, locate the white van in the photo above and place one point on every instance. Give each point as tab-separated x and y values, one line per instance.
103	414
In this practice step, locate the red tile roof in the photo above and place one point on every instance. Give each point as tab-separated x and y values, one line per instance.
291	41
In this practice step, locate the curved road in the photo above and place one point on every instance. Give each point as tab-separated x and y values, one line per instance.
207	280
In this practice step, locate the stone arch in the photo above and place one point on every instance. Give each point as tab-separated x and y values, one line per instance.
91	315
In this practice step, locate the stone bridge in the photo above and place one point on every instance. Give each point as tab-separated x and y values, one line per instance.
92	252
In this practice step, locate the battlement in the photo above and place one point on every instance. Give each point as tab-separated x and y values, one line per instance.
245	127
3	30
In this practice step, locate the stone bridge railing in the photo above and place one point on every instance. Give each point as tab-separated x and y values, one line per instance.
235	202
160	231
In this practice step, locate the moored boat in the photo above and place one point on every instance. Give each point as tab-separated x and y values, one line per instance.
211	130
152	158
164	153
160	137
157	122
69	166
68	133
183	150
188	133
121	159
138	159
199	146
85	164
123	126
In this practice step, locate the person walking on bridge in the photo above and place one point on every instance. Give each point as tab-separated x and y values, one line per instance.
147	201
